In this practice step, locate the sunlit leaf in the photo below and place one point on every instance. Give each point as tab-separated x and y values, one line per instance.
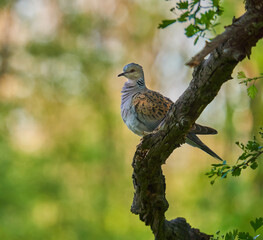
252	91
241	75
166	23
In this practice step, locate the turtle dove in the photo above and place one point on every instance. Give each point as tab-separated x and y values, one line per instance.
142	109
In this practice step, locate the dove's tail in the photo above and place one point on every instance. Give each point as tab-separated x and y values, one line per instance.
194	141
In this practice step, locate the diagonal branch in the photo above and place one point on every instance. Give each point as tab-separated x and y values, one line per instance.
149	198
232	31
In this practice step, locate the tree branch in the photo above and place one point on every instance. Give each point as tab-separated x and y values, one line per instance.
149	182
233	32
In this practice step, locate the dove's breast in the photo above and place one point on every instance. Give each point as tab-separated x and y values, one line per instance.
129	114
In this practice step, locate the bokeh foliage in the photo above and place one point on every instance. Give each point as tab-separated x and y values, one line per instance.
65	155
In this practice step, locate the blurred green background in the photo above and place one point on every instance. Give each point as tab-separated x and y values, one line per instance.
65	154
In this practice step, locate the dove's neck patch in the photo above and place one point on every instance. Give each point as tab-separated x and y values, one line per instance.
140	82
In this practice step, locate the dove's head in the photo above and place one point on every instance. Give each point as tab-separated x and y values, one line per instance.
132	71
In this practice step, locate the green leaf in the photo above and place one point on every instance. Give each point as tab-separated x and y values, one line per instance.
252	91
220	11
236	172
241	75
243	156
244	236
182	5
196	40
183	17
206	18
257	224
252	145
217	164
166	23
215	3
254	165
191	30
231	235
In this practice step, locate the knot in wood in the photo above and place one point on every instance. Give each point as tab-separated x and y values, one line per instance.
184	122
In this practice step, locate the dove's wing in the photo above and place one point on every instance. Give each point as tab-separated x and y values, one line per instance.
151	108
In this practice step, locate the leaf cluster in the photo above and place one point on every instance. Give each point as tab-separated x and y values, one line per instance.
251	153
250	83
237	235
200	17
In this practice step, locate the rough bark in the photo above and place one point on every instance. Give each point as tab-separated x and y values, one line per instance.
149	182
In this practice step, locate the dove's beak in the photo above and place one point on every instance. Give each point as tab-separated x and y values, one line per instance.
121	74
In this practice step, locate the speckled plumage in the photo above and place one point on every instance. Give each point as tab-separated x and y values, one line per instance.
151	107
142	109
